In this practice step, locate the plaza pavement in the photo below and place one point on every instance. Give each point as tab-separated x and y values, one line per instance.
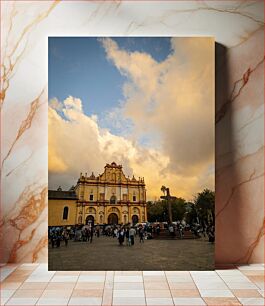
104	253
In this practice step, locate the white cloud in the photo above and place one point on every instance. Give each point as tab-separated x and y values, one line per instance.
73	104
55	104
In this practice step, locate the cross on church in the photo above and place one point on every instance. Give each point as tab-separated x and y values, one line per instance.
169	200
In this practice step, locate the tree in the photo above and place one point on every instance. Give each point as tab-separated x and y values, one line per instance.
164	189
155	211
191	213
158	211
202	209
178	209
205	205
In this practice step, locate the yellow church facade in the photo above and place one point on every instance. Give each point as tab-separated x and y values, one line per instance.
110	198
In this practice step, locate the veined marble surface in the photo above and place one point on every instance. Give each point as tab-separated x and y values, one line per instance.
238	29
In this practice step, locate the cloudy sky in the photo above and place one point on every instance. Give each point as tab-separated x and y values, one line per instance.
145	103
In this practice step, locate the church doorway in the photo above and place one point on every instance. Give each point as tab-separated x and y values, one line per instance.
113	218
90	220
135	219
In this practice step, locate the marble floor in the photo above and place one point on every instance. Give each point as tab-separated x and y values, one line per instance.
33	284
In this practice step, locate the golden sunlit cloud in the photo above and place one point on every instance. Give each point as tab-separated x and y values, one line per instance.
174	98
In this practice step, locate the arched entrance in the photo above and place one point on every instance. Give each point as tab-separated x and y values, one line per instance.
90	220
113	218
135	219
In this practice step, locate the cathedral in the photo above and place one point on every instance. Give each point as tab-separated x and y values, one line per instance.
110	198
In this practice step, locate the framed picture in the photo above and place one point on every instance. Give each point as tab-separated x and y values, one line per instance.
131	153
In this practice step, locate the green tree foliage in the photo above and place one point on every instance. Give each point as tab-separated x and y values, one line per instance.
202	209
155	211
205	204
178	209
191	213
158	211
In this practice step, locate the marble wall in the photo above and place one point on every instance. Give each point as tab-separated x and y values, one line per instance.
238	29
240	152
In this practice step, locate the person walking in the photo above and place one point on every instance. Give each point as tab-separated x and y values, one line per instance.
71	234
121	234
158	230
86	234
171	230
180	229
132	233
58	239
211	233
141	235
83	233
91	234
127	235
53	239
98	231
65	237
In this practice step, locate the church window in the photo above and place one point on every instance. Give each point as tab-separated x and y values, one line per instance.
65	213
134	198
91	197
113	200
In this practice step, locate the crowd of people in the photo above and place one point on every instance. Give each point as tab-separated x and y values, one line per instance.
179	228
58	234
126	234
129	233
85	233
